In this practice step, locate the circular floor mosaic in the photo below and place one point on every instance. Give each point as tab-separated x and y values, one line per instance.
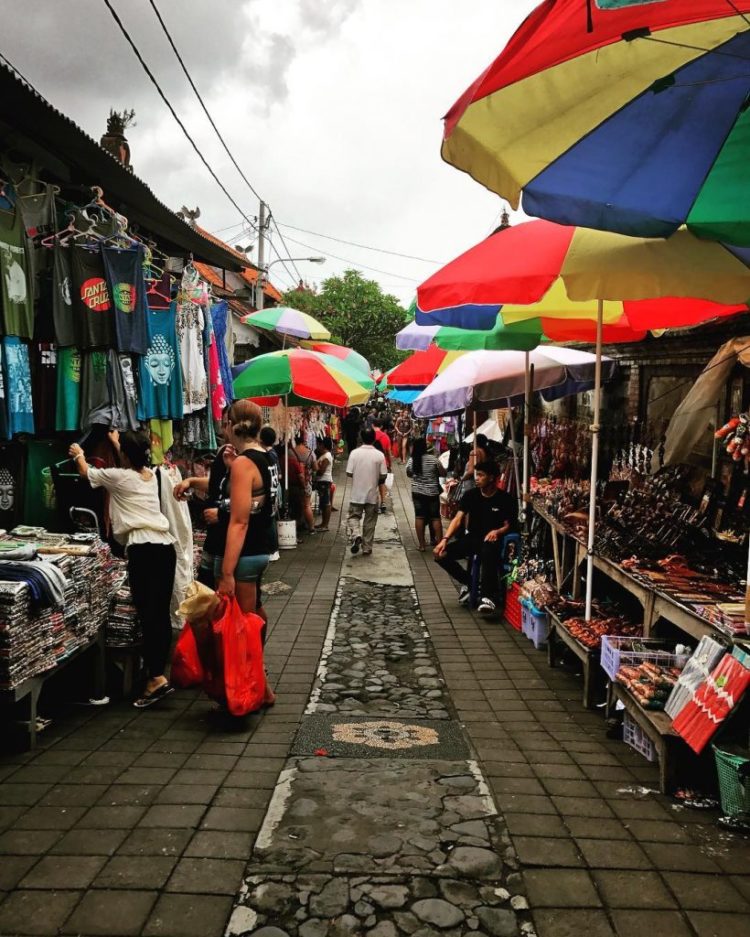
392	736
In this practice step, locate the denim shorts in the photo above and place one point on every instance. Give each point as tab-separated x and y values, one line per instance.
249	568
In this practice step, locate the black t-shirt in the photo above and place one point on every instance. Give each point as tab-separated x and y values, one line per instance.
486	514
91	300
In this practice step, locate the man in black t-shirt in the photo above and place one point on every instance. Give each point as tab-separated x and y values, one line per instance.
486	515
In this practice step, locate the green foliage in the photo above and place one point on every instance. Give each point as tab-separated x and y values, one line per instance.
358	314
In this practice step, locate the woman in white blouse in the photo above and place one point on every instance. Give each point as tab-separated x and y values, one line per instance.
139	525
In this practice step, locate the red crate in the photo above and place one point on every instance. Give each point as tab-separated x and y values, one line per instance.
513	606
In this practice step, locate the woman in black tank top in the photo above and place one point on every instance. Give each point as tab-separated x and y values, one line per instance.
248	523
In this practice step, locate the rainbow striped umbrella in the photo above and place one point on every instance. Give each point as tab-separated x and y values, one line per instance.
287	321
349	355
301	376
554	273
624	115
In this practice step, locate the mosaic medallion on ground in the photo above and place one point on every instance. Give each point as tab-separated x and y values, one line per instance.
378	660
357	737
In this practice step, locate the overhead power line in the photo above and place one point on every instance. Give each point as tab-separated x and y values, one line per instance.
365	247
354	263
172	111
201	101
213	122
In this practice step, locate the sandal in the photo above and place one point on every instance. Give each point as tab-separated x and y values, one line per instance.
148	699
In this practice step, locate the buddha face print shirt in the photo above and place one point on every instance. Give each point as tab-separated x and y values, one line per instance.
160	375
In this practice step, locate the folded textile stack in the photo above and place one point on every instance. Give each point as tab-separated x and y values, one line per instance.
123	625
199	538
22	649
34	640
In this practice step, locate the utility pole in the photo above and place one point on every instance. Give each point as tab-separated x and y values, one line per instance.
260	295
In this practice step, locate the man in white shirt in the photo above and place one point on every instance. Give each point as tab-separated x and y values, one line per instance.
367	469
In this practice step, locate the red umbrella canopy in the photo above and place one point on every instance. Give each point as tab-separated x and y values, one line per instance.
539	269
421	368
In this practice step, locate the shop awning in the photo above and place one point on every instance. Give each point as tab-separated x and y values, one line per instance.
69	156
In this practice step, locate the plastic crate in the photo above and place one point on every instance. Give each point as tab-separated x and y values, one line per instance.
618	650
513	607
634	736
733	789
537	626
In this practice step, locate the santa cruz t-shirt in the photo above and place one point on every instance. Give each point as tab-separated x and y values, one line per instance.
92	303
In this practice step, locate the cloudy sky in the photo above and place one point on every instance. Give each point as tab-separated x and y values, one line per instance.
332	108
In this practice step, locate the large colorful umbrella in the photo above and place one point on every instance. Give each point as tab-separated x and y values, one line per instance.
287	321
520	336
572	275
539	269
421	367
624	115
349	355
301	375
483	380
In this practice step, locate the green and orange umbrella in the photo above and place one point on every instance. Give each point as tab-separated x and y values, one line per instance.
299	376
287	321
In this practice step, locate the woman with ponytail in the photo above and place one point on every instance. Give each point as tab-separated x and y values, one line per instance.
246	510
139	525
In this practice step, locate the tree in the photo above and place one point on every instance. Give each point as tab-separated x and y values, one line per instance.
357	313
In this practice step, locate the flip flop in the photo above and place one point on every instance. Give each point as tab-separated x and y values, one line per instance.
148	699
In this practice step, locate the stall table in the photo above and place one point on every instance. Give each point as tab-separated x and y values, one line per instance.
658	727
592	673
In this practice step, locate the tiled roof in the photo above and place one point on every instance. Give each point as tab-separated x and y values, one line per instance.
77	156
249	272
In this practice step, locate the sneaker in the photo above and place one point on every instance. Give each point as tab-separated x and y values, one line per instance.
382	509
486	607
367	553
274	556
356	544
464	595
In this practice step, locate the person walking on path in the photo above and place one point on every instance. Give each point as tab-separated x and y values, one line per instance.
139	525
352	423
425	471
404	429
324	480
382	438
367	469
490	514
305	459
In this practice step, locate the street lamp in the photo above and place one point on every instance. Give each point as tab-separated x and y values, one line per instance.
263	272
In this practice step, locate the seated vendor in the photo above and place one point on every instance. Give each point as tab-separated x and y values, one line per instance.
485	515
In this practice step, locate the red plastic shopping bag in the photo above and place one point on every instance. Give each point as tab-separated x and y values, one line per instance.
187	669
239	679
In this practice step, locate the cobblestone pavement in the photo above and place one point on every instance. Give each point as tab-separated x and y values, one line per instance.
389	828
423	772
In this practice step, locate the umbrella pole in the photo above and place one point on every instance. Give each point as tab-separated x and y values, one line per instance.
594	460
286	448
475	439
515	457
526	411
